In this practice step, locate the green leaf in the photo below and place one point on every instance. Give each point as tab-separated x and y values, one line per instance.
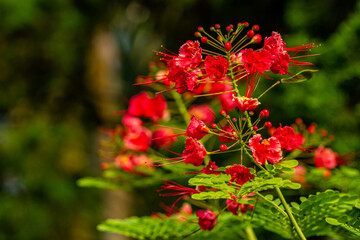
211	195
97	183
289	163
332	221
301	76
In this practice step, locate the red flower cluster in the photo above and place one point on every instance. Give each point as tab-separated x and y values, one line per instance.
130	162
156	108
136	137
207	219
288	138
210	169
239	174
196	129
194	152
216	67
265	149
325	157
245	103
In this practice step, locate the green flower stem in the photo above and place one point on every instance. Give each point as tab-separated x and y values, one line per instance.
269	88
182	108
250	125
272	203
233	78
250	232
290	215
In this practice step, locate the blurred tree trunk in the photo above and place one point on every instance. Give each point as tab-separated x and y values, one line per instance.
103	82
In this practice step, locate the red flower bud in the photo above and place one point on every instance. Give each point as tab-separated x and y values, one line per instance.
203	39
197	34
223	147
255	28
268	124
228	46
250	33
257	38
264	113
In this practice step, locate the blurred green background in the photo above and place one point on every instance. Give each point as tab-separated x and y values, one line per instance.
67	66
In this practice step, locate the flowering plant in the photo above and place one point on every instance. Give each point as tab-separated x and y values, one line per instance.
236	161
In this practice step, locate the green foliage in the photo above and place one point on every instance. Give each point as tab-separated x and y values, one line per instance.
171	228
148	227
313	211
345	179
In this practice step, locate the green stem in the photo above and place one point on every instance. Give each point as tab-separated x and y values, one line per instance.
272	203
250	232
290	215
182	108
250	125
269	89
233	79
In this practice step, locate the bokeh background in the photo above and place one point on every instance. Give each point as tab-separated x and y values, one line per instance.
67	66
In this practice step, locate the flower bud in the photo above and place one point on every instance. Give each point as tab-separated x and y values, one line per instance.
223	113
257	38
203	39
197	34
255	28
223	147
264	113
268	124
250	34
228	46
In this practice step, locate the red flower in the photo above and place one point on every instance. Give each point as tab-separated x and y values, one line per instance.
184	80
163	137
156	108
130	162
267	149
194	152
131	123
276	46
189	55
227	137
325	157
233	206
226	100
179	191
196	129
137	139
245	103
239	174
287	137
216	67
210	169
203	112
207	219
256	61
